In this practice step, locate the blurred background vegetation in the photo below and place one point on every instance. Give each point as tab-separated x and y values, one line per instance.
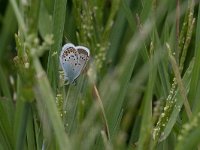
141	88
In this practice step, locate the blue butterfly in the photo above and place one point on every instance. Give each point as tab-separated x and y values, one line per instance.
73	60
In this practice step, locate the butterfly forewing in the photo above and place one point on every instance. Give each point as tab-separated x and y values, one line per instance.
73	60
69	60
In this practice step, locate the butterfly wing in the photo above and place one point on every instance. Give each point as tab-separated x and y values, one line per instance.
83	57
69	61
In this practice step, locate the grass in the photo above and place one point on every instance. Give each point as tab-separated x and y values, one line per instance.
140	89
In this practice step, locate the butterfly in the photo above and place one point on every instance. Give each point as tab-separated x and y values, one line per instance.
73	60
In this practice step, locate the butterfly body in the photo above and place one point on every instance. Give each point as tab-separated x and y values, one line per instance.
73	60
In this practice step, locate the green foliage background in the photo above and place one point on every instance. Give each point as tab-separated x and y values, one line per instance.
140	89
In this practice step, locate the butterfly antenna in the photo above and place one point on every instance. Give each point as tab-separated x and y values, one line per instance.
66	39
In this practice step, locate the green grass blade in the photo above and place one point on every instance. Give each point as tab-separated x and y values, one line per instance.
195	85
146	124
9	26
118	87
44	94
30	131
21	119
45	21
18	16
34	15
57	30
179	102
49	4
4	84
6	134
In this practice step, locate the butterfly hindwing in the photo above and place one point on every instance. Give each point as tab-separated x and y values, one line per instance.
83	56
